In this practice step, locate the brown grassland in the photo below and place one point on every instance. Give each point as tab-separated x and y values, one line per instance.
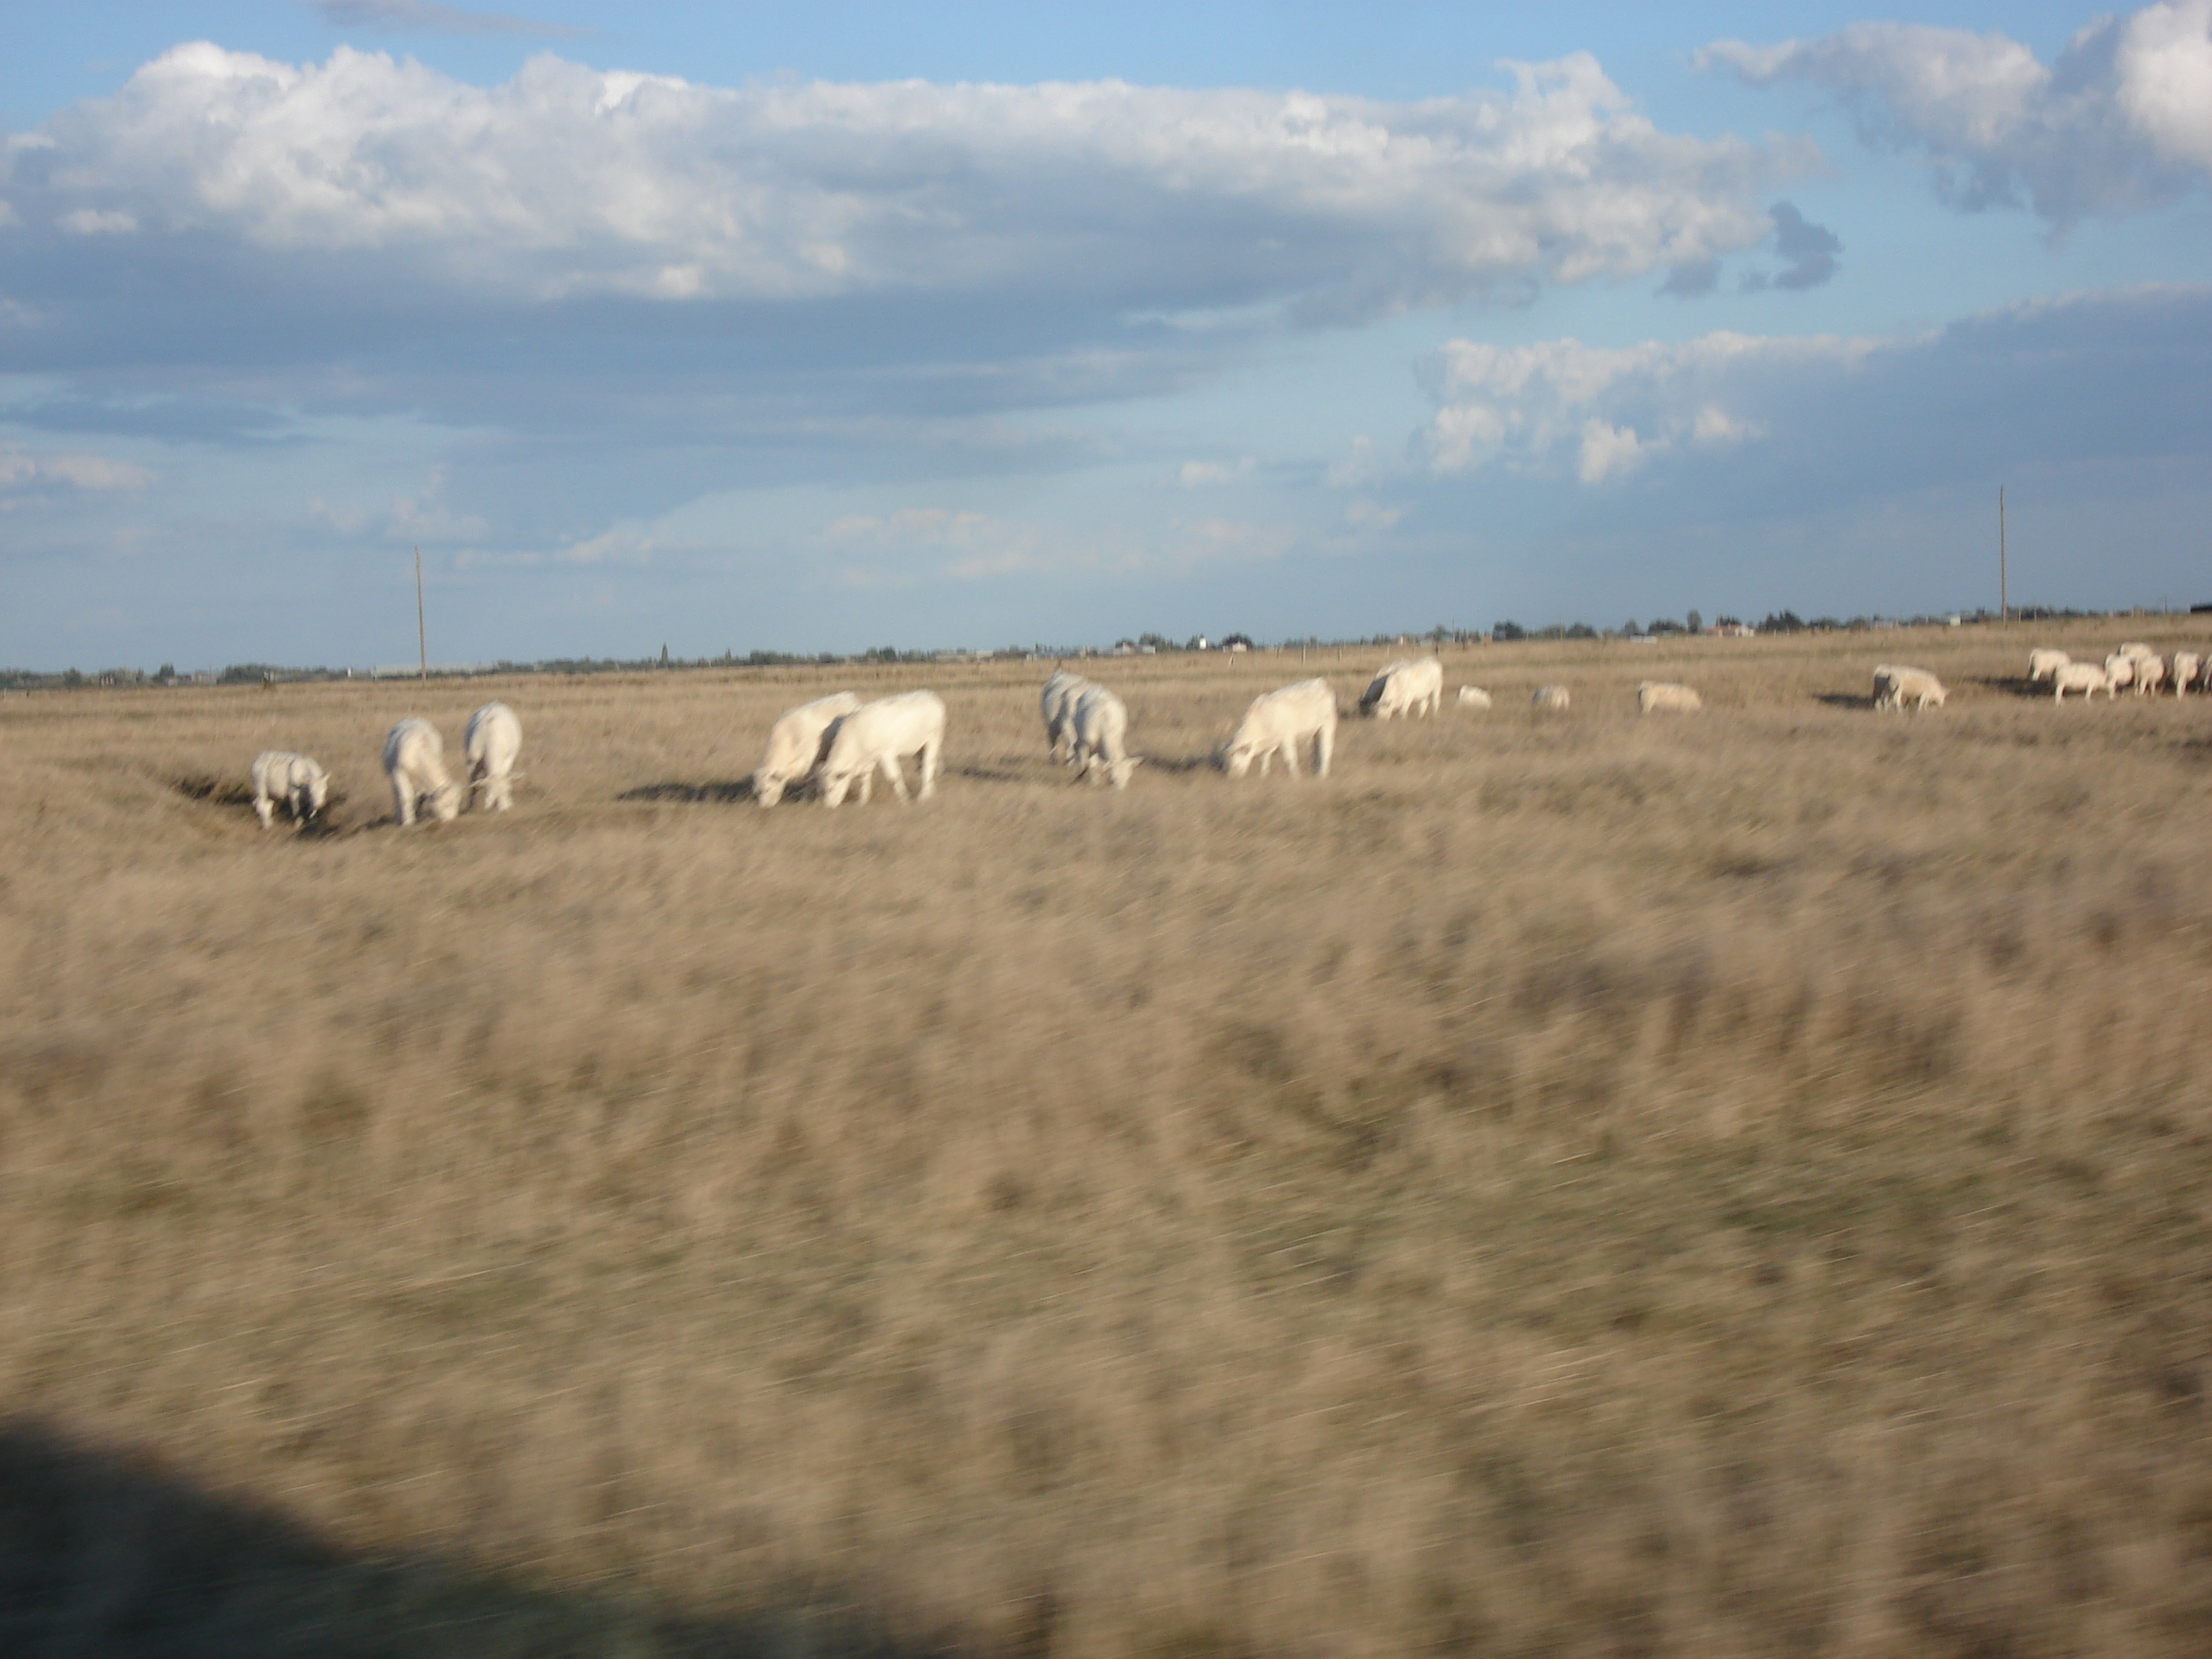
1718	1185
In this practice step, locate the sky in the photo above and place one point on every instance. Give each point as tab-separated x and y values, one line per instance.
737	327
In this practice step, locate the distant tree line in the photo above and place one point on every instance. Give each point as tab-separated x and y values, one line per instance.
1775	622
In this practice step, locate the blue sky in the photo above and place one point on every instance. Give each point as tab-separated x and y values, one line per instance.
735	327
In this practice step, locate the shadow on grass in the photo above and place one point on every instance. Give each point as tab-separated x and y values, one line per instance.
102	1554
1179	763
695	793
2007	685
1844	699
228	794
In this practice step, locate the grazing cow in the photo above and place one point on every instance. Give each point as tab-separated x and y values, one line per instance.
1550	696
1893	684
1654	696
1409	686
2083	676
2043	664
302	786
1472	696
2135	649
1101	738
796	744
2119	670
1279	722
2185	666
1058	706
2150	674
492	744
875	737
415	761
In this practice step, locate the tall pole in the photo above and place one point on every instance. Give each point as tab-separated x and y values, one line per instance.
422	636
2004	593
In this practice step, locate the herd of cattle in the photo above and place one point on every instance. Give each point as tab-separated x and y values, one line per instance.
2134	664
834	742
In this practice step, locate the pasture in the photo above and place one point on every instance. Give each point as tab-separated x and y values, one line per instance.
1734	1183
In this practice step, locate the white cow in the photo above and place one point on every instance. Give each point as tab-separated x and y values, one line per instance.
875	737
1550	696
1893	684
2187	665
415	761
302	786
2150	674
2135	649
796	744
2083	676
2043	664
1058	706
1473	696
1280	722
1101	738
2119	670
492	743
1408	686
1654	696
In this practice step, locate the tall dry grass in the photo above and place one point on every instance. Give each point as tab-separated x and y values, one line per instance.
1735	1184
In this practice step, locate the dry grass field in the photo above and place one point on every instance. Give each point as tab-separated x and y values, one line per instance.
1735	1184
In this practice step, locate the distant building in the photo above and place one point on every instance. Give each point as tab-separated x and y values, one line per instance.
1732	630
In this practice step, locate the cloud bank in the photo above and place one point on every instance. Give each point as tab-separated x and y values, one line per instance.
2078	381
568	182
2121	121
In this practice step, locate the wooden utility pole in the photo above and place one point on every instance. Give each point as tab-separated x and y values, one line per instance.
421	635
2004	593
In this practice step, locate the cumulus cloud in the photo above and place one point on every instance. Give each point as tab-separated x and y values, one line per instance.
568	181
1738	425
2123	120
1613	409
1808	251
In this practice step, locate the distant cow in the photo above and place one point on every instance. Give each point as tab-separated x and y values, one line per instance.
1281	723
2185	666
1472	696
1057	704
875	737
1101	738
415	761
1550	696
1655	696
302	786
2086	678
2119	670
796	744
2043	664
1409	686
1893	684
492	744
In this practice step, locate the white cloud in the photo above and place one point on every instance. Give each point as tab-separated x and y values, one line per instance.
567	181
1363	514
21	468
1357	466
1616	409
1198	475
97	221
2123	120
